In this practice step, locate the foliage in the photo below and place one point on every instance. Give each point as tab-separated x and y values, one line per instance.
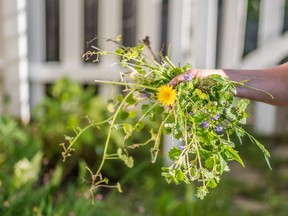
68	106
200	113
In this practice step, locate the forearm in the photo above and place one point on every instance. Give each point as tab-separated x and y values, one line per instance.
272	83
272	80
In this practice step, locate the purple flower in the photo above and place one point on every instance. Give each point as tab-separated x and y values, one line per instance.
216	117
218	129
191	113
188	77
144	95
205	124
181	147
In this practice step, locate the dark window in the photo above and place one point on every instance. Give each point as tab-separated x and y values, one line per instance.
90	25
251	34
129	23
164	26
285	27
52	30
219	28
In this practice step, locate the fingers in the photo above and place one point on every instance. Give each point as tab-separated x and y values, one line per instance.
191	73
176	80
187	76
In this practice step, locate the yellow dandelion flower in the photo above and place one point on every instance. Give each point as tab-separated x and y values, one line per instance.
166	95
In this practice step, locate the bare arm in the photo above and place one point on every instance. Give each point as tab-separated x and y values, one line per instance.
273	80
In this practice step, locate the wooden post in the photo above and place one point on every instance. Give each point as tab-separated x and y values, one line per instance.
179	30
110	22
71	32
36	45
149	22
179	40
205	34
15	62
232	35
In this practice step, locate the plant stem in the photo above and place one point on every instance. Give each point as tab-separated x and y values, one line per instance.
66	150
126	84
109	134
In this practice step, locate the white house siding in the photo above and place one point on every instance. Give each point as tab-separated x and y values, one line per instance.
193	33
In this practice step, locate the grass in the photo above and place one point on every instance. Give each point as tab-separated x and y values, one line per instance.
253	190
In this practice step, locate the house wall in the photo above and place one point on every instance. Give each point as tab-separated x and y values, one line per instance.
1	62
197	32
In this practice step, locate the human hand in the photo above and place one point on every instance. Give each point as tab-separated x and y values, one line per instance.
191	73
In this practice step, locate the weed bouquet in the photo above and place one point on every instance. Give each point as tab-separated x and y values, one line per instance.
200	113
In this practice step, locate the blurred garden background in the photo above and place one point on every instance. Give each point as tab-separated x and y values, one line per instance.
47	89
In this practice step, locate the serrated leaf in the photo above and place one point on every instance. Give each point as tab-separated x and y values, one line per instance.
209	163
230	152
202	192
180	177
174	153
201	95
212	183
230	113
242	104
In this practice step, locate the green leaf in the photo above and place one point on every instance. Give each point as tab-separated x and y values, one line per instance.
144	108
228	143
212	183
200	94
158	110
132	114
130	100
267	161
231	113
242	104
174	153
119	98
139	126
129	162
209	163
123	115
168	174
239	133
230	152
110	108
180	177
202	192
127	128
263	149
223	163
